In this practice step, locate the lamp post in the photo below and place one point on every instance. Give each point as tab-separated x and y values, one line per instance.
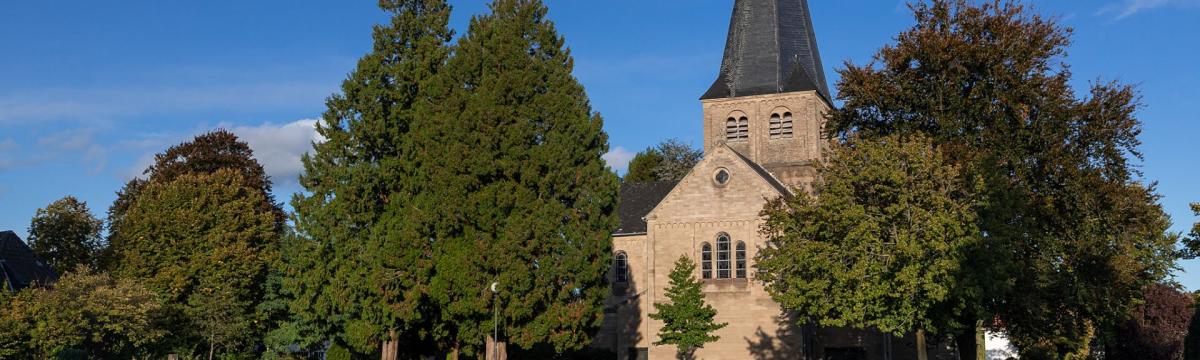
495	320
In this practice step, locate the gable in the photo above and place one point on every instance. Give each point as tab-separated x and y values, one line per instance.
19	266
700	196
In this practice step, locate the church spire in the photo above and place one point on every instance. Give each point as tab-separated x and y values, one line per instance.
771	49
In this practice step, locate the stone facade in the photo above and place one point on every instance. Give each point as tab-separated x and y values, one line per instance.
763	132
704	206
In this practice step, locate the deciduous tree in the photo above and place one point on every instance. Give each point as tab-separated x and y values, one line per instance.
206	243
66	235
670	160
1070	237
881	245
644	165
1156	328
1192	241
688	322
204	154
85	312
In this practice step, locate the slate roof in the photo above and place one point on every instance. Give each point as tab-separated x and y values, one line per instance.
637	199
771	49
19	266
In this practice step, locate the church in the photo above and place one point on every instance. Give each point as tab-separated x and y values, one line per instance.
763	123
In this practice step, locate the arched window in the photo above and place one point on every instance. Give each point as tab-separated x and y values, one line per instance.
706	261
740	255
781	125
737	128
723	258
621	267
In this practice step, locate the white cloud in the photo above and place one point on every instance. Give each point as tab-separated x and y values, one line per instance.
92	105
618	159
80	142
279	147
1129	8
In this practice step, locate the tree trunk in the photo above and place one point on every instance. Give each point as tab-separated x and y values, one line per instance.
391	347
922	353
211	349
496	350
966	345
980	341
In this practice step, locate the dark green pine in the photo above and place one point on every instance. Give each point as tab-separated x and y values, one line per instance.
368	262
523	196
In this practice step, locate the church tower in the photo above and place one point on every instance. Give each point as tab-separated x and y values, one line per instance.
769	100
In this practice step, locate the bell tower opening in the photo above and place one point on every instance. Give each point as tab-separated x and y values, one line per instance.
769	100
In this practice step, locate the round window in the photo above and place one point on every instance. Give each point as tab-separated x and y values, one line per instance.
721	177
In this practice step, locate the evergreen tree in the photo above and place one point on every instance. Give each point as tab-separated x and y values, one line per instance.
519	193
66	234
206	243
882	246
688	322
1071	237
366	261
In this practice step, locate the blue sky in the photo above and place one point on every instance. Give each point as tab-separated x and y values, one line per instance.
89	91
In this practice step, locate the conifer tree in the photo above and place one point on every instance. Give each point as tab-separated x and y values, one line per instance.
366	260
519	193
688	322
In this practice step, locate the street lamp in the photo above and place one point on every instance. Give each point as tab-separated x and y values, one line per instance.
495	319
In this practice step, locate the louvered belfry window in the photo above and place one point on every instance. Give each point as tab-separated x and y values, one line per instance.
737	128
781	126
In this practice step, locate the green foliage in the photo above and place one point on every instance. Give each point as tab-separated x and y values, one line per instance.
337	352
66	235
670	160
204	154
881	246
687	319
1071	238
206	243
365	263
85	314
644	166
519	193
1192	242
